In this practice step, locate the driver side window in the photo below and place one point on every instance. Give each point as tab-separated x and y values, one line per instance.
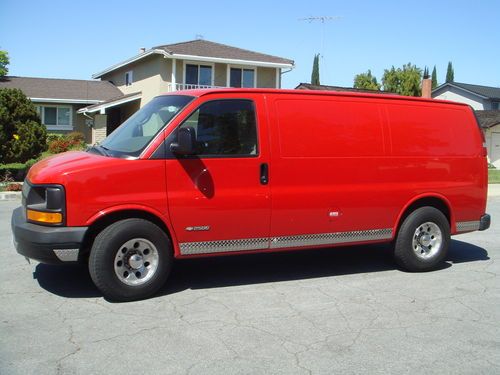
224	128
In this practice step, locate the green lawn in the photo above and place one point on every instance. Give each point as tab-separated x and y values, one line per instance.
494	176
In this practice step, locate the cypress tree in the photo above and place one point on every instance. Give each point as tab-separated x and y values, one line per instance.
434	78
450	73
315	71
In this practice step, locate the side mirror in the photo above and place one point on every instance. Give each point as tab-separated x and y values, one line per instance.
186	142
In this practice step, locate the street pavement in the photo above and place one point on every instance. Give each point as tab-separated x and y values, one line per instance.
334	311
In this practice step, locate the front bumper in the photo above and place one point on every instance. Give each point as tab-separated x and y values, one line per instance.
484	222
51	245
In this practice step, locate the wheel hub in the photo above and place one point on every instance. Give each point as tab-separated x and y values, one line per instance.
427	240
135	261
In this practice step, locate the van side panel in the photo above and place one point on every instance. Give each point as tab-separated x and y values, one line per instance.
326	174
345	165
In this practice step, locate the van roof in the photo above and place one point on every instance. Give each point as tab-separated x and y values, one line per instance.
205	92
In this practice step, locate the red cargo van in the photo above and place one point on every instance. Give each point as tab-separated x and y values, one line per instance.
216	172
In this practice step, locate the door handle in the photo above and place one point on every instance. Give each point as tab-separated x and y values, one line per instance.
264	174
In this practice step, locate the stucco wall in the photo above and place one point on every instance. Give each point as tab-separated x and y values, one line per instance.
457	95
179	73
220	75
148	75
153	74
266	77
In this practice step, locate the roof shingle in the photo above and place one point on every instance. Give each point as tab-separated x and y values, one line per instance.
205	48
488	119
54	88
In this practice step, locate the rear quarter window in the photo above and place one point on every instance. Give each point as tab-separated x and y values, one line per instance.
313	127
419	130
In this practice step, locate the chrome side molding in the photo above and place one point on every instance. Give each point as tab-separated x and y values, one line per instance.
207	247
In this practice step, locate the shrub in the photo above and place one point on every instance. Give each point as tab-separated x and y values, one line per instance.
14	187
53	137
59	145
22	137
76	137
71	141
30	163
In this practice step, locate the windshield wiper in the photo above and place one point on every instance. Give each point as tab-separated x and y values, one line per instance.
105	150
100	150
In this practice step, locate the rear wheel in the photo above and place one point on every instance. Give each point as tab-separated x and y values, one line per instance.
130	260
423	239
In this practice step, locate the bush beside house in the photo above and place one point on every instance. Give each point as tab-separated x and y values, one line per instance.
24	140
22	137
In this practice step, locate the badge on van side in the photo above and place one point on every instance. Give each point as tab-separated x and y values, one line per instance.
198	229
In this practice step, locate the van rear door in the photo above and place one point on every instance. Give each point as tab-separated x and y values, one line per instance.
219	199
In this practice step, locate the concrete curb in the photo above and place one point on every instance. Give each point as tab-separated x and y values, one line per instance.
10	195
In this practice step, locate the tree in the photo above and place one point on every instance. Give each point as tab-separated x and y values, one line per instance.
450	73
22	137
426	73
403	81
315	71
4	61
366	81
434	78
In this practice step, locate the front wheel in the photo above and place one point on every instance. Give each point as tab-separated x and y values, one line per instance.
130	260
423	239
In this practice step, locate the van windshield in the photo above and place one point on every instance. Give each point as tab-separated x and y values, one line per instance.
132	137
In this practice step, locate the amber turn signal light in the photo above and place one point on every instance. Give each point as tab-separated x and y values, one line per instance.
44	217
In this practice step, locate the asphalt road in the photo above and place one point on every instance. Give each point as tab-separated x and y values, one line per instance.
343	310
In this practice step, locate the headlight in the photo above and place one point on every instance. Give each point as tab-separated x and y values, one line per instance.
45	204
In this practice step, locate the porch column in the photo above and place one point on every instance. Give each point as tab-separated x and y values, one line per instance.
100	125
174	73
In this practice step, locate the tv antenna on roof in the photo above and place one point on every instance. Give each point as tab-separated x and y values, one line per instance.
199	37
323	20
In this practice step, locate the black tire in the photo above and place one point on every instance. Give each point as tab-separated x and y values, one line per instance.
414	250
104	253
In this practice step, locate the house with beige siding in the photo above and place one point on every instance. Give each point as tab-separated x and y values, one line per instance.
195	64
58	101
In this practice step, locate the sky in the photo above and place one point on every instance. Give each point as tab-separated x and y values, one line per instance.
75	39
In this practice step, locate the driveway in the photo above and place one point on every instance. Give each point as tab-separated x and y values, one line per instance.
342	310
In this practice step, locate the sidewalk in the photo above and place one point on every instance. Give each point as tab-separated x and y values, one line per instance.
493	190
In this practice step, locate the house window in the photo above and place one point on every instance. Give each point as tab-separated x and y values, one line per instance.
240	77
198	75
495	105
129	78
56	117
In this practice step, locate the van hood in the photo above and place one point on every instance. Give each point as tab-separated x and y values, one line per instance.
57	168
